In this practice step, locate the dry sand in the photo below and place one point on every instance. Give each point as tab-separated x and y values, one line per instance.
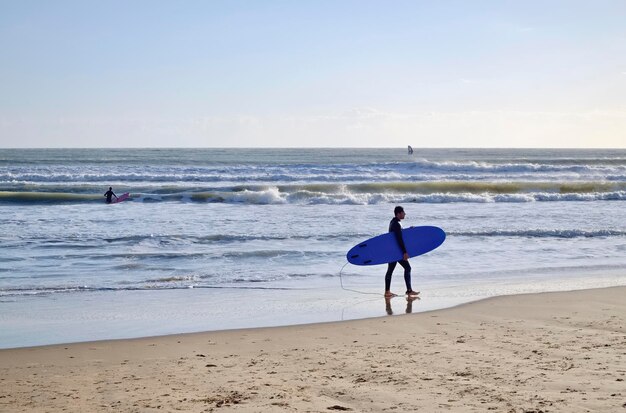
529	353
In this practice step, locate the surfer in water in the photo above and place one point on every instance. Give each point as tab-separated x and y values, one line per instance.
396	228
109	194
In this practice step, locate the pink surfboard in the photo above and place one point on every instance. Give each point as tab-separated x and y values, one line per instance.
121	198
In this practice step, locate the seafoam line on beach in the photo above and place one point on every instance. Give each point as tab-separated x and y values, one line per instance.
540	233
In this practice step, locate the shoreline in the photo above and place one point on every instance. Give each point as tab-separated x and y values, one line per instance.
105	315
553	351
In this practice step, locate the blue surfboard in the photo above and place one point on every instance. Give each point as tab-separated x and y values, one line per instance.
384	248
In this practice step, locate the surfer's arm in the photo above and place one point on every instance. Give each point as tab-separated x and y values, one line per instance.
397	230
405	255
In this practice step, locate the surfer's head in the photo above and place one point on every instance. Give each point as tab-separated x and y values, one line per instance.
398	210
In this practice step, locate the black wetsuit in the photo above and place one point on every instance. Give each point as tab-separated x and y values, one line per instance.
396	228
109	194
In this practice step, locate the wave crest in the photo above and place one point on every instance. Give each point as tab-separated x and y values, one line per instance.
357	193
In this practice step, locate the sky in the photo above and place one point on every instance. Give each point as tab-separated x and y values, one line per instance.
315	73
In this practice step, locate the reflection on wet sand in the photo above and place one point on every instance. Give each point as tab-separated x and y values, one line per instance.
409	304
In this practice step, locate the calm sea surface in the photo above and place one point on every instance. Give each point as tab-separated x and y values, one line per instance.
230	238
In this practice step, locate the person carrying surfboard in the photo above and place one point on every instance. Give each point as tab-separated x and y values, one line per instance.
396	227
109	194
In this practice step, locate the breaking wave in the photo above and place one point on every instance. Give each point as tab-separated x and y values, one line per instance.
356	193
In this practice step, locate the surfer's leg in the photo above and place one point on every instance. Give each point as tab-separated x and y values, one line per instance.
407	274
390	267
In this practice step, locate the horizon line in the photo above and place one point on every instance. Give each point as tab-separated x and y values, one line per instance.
311	147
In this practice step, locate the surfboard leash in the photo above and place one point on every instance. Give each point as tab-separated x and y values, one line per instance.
349	289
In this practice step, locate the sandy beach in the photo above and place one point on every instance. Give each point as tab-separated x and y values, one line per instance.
544	352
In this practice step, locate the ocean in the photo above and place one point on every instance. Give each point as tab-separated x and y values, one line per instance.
234	238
